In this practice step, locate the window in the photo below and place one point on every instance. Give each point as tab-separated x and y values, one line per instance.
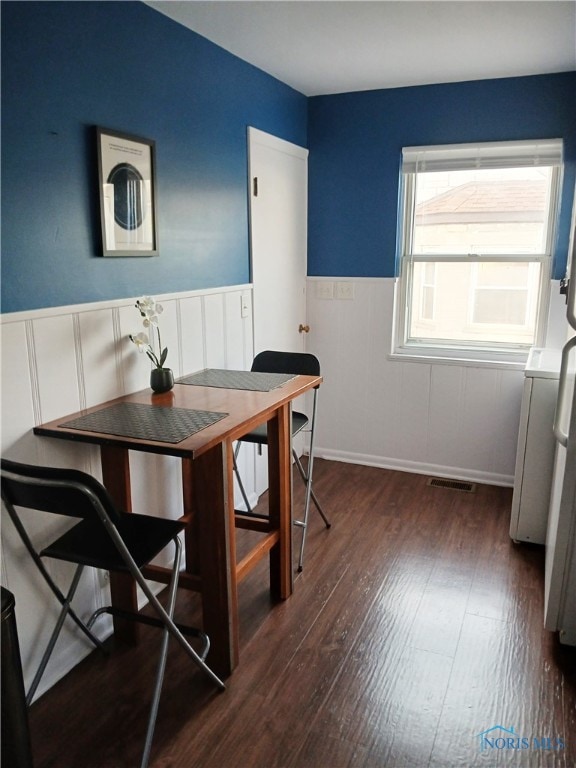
477	228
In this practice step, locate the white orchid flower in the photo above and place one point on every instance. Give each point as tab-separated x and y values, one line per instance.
141	340
146	304
149	311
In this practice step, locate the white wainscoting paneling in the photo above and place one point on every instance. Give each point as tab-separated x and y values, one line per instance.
453	420
60	360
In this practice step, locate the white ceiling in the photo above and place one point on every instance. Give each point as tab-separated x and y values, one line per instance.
323	47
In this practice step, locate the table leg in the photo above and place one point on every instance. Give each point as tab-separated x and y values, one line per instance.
280	501
116	478
213	503
191	539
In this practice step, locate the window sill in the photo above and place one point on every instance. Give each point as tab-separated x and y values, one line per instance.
466	360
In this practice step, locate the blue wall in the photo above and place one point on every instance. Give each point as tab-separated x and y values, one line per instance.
69	66
355	141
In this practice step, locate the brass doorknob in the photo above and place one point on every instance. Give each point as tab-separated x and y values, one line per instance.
303	328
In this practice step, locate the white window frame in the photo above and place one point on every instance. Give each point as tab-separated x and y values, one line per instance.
464	157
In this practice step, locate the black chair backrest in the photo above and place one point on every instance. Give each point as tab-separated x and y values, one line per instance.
61	491
300	363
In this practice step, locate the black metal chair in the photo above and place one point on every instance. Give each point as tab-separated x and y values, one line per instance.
297	363
103	538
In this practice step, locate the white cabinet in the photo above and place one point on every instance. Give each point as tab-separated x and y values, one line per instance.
536	448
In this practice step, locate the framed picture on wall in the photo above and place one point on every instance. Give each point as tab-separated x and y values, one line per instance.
127	180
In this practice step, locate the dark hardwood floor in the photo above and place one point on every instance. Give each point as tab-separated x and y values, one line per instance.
415	626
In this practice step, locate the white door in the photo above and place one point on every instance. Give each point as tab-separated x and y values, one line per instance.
278	233
278	178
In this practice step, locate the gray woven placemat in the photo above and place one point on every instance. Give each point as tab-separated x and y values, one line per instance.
217	377
146	422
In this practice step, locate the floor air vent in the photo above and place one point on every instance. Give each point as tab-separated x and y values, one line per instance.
454	485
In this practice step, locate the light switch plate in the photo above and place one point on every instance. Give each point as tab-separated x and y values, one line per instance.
344	290
325	289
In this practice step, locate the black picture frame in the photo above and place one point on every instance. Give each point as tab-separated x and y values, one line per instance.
127	182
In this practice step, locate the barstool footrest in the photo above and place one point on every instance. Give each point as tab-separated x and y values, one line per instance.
151	621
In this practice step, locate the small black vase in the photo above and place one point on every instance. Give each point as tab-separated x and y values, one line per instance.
161	379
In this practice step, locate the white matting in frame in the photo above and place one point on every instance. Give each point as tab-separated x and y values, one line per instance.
127	178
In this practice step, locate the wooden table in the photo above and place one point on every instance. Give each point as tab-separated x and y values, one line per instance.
208	496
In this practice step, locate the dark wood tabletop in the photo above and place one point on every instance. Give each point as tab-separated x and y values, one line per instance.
245	409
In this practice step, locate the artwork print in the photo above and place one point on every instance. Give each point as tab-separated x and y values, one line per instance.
127	194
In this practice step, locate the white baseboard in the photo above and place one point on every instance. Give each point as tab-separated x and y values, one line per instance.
419	468
239	505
